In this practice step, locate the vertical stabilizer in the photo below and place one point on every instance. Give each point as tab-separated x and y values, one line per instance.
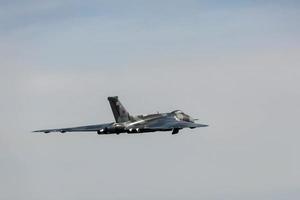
120	113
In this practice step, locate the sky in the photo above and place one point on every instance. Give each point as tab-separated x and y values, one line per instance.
232	64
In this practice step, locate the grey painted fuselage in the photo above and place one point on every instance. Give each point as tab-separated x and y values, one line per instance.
125	123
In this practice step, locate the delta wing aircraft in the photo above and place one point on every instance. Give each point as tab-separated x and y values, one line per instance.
126	123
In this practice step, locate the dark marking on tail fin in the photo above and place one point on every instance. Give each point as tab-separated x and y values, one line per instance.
120	113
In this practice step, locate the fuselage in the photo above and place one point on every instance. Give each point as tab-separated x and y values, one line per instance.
126	123
138	124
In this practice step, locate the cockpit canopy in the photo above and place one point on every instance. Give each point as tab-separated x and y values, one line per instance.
177	111
182	116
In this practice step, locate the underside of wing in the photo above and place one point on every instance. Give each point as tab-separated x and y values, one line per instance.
171	123
77	129
178	125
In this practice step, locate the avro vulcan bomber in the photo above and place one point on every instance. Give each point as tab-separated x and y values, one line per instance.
126	123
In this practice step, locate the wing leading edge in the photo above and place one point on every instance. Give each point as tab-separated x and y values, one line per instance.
177	125
77	129
172	123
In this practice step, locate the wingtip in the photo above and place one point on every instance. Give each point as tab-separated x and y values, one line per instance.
40	131
204	125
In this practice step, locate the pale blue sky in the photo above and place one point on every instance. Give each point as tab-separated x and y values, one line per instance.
118	33
232	64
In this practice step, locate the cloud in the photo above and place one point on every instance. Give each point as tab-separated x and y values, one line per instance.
236	71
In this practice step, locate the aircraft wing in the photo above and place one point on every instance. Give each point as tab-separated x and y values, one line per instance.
77	129
176	125
171	123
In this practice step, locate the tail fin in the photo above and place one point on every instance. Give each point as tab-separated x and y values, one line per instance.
120	113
